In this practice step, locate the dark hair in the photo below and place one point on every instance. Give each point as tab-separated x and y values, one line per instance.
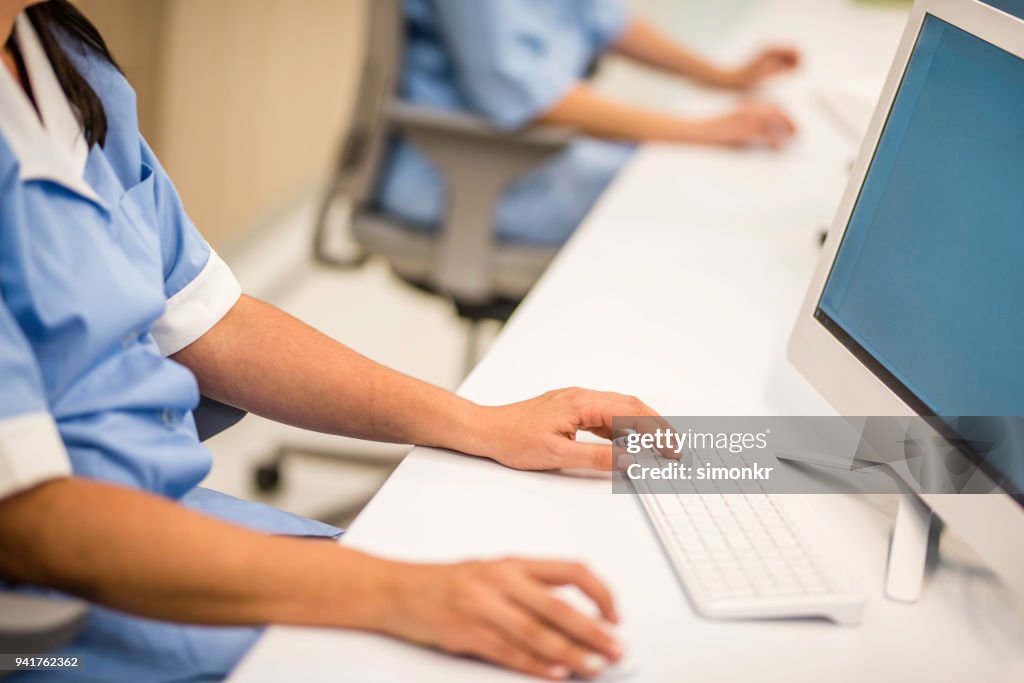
59	19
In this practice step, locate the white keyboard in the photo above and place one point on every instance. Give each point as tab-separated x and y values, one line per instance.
749	555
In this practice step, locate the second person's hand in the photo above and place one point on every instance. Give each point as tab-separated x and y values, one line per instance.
752	124
765	65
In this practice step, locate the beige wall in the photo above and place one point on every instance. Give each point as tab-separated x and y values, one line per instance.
132	27
243	100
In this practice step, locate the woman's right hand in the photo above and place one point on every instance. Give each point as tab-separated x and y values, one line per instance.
752	124
504	611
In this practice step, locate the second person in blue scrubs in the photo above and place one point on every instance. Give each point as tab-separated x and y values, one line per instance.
519	62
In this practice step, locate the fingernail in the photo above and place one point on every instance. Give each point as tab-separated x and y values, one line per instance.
558	671
594	662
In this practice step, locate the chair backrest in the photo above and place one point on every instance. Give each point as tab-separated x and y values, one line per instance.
364	145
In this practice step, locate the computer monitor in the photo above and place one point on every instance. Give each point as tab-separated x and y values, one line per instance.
917	304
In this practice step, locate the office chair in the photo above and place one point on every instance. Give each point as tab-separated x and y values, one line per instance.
463	261
35	625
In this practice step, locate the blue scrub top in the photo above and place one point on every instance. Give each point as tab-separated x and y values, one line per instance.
102	275
507	61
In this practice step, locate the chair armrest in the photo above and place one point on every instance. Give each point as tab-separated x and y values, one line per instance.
410	118
477	161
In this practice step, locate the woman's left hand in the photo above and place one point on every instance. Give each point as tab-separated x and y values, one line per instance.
540	433
768	63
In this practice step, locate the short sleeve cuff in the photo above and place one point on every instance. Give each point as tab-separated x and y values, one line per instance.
31	452
609	21
529	101
197	307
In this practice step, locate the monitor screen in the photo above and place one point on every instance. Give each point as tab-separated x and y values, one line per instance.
927	287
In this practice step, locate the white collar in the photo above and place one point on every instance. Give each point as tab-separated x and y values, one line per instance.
54	148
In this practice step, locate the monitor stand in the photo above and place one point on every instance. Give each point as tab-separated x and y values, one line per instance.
908	553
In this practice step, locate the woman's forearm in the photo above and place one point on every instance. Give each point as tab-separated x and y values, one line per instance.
139	553
269	363
592	113
589	112
643	42
147	556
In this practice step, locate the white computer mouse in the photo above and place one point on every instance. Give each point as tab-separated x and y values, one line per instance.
622	670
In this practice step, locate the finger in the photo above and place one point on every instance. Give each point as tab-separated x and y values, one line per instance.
631	406
542	640
769	66
626	427
782	119
574	573
768	130
490	644
584	630
790	124
632	413
782	132
594	456
749	109
776	127
753	130
776	134
627	414
783	56
598	419
788	55
618	422
779	63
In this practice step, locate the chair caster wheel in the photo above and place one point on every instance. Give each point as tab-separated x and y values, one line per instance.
268	477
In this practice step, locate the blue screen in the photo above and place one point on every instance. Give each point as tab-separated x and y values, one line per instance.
929	278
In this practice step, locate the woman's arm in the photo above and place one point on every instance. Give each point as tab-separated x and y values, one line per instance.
146	555
643	42
592	113
269	363
751	124
141	554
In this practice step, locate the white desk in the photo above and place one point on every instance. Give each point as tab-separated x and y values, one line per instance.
712	250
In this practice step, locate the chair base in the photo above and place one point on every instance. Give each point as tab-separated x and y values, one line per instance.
498	308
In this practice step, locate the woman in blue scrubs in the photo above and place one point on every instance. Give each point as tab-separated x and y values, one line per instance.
520	62
114	314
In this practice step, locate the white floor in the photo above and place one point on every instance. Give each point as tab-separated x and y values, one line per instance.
373	312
